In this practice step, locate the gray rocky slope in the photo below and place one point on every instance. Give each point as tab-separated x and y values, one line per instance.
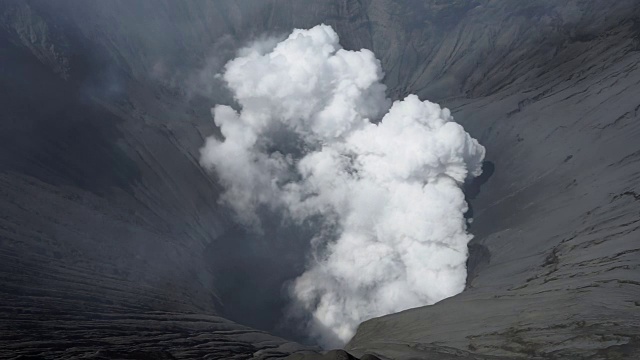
113	245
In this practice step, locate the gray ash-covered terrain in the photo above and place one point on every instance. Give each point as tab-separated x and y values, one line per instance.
113	244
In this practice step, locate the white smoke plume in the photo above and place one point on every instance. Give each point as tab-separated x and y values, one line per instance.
316	139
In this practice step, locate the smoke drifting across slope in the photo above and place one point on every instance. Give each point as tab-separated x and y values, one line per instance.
317	141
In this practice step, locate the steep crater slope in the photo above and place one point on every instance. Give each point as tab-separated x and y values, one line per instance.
105	211
111	234
554	264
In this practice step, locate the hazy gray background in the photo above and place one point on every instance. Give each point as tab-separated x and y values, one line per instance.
109	227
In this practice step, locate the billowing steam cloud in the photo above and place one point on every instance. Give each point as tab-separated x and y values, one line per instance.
317	141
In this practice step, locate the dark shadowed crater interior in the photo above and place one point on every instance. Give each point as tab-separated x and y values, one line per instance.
113	243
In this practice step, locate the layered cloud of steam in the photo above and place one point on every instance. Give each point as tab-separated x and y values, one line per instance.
316	140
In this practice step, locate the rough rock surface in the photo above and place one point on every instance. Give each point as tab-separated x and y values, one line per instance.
112	244
555	266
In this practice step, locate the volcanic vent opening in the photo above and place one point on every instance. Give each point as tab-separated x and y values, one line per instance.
349	206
